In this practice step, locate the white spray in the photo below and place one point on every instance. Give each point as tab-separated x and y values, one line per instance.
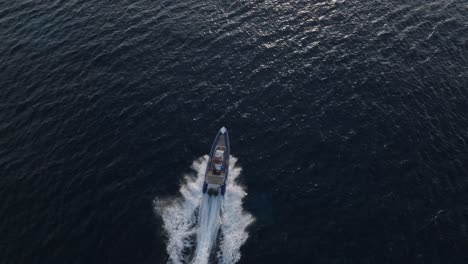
196	214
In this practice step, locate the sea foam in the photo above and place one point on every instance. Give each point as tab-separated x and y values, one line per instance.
197	224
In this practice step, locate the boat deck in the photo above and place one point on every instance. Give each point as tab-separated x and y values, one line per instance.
213	176
215	179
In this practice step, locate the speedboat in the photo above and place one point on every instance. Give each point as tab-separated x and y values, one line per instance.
218	165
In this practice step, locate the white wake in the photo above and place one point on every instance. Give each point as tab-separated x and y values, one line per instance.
198	224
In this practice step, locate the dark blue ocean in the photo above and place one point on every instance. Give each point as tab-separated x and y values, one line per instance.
348	118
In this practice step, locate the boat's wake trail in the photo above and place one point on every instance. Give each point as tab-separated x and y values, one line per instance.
192	221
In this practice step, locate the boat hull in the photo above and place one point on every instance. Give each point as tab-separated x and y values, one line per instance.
217	169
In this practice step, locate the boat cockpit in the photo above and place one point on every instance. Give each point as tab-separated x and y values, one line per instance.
218	161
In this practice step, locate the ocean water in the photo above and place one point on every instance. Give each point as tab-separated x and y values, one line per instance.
348	120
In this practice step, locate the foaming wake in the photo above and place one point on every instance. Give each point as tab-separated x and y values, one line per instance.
209	217
198	224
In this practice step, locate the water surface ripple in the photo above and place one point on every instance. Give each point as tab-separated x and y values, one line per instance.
349	119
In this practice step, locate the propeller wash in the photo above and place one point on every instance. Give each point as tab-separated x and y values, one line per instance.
202	227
